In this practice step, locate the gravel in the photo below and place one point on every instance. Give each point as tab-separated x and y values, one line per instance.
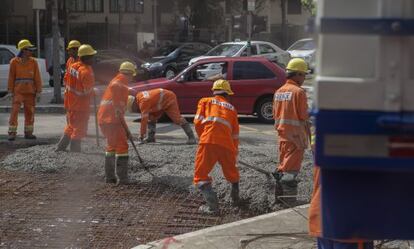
172	164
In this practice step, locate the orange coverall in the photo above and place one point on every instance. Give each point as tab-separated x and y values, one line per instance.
69	63
24	83
217	127
290	111
79	87
110	113
154	103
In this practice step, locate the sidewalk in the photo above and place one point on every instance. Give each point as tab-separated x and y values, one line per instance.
282	229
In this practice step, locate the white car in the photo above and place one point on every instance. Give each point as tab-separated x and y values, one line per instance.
304	49
7	52
258	48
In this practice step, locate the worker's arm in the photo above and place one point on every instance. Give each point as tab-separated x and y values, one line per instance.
88	80
302	106
37	78
119	98
12	76
200	115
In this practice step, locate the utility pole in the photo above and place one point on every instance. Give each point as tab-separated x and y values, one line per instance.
56	54
251	6
155	14
37	6
119	23
284	23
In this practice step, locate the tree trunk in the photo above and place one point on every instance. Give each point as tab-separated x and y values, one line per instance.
284	23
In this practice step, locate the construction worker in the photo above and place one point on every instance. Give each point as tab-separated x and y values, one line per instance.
290	111
72	49
79	87
110	115
24	87
218	130
152	104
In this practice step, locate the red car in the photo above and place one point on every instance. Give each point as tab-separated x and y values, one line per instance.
253	81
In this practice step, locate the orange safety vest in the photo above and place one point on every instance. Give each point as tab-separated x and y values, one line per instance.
290	109
216	122
153	101
79	87
114	99
24	77
69	63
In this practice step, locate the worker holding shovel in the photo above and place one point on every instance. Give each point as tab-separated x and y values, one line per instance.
111	121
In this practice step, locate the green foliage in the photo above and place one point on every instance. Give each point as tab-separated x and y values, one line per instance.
310	6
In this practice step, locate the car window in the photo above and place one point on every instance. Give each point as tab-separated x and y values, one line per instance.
5	56
253	51
266	49
244	70
165	51
225	50
204	71
303	45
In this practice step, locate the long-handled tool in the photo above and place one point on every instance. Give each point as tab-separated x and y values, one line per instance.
267	173
96	118
129	135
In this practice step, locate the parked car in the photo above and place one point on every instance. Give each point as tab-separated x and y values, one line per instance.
7	52
258	48
169	60
304	49
253	80
62	74
107	64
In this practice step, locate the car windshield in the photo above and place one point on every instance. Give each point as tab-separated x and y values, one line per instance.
225	50
165	51
303	45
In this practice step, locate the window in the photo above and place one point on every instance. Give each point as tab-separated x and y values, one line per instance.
204	71
5	57
132	6
253	51
85	5
266	49
294	7
246	70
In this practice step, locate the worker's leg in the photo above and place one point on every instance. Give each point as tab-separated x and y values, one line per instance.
204	163
173	113
109	153
16	103
29	110
65	139
80	128
121	149
227	160
290	157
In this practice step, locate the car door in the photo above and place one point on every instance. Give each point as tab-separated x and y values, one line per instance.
253	51
250	80
5	57
191	86
267	51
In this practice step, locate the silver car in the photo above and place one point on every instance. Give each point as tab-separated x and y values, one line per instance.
304	49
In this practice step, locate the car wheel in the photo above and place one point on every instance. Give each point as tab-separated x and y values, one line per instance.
169	73
264	110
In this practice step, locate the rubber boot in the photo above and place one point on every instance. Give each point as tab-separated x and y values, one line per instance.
289	186
75	146
152	126
235	193
211	206
12	136
122	170
29	135
189	132
63	143
110	169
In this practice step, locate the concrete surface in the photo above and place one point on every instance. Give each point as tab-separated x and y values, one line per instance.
282	229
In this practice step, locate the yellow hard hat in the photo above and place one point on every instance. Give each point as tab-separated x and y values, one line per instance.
73	44
128	67
222	85
85	50
131	104
297	65
24	44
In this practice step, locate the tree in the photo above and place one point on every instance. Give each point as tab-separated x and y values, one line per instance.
310	6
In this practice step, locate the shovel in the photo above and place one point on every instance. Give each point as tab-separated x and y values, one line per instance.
129	135
267	173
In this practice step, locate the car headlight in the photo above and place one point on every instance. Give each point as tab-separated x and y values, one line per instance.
156	64
146	65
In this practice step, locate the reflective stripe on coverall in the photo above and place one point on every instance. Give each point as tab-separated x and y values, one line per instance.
290	111
24	82
69	63
154	103
217	127
111	110
79	91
